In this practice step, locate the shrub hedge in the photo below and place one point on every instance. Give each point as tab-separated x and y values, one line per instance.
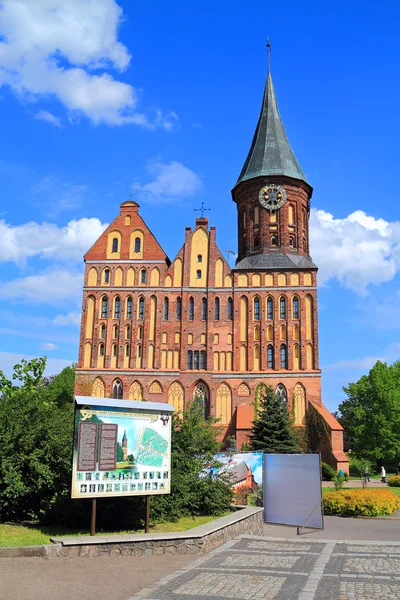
367	503
328	473
394	481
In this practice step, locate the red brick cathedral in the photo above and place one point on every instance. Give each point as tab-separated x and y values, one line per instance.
159	330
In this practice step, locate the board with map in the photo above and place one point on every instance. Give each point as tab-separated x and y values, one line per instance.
121	452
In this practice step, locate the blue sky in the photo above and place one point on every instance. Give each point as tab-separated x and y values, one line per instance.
99	97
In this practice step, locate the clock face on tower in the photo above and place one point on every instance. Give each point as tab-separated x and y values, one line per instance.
272	196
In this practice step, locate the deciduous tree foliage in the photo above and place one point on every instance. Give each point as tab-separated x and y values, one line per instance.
194	491
36	434
35	440
273	430
371	413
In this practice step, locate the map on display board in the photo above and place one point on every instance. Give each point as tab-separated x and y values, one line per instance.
120	449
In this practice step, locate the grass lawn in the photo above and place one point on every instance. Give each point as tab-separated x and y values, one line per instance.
34	535
395	490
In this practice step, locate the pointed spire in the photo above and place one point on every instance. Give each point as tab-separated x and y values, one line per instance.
270	152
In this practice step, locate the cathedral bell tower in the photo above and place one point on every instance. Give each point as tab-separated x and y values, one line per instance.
272	197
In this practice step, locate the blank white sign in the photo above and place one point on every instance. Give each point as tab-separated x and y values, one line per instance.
292	489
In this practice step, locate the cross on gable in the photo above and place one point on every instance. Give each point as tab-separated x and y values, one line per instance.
202	209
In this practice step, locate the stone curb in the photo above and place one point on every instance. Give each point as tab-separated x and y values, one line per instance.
194	541
45	551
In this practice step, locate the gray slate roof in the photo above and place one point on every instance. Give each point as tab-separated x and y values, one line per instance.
270	152
238	472
274	260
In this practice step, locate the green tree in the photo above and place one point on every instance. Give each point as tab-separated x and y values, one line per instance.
371	413
60	388
194	490
120	453
273	430
35	443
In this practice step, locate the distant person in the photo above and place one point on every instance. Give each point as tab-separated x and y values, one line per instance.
398	469
341	472
383	475
366	474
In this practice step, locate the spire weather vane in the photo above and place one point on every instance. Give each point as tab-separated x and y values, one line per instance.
202	209
269	54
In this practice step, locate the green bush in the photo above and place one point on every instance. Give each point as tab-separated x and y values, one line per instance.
368	503
328	473
36	431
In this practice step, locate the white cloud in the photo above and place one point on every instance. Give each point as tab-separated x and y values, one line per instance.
365	364
357	250
389	354
49	346
72	318
48	241
53	365
54	288
59	195
50	48
44	115
171	181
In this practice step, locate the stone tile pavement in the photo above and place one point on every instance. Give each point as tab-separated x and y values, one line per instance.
270	568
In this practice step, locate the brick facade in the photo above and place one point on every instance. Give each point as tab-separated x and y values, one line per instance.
157	330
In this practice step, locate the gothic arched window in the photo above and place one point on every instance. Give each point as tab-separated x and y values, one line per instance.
281	391
103	331
104	307
256	308
190	360
137	244
106	275
230	309
295	307
282	308
179	308
143	276
270	308
216	312
129	308
117	307
196	360
203	360
283	356
274	240
141	308
191	309
200	395
166	309
115	245
270	356
117	389
204	309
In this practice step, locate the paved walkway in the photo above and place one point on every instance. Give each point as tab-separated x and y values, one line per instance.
357	483
102	578
340	528
260	568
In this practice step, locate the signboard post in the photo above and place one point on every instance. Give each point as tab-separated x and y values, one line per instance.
121	448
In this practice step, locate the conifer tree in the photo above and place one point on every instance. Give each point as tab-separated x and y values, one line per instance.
272	430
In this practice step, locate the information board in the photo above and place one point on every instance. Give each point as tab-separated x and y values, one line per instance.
121	448
292	489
